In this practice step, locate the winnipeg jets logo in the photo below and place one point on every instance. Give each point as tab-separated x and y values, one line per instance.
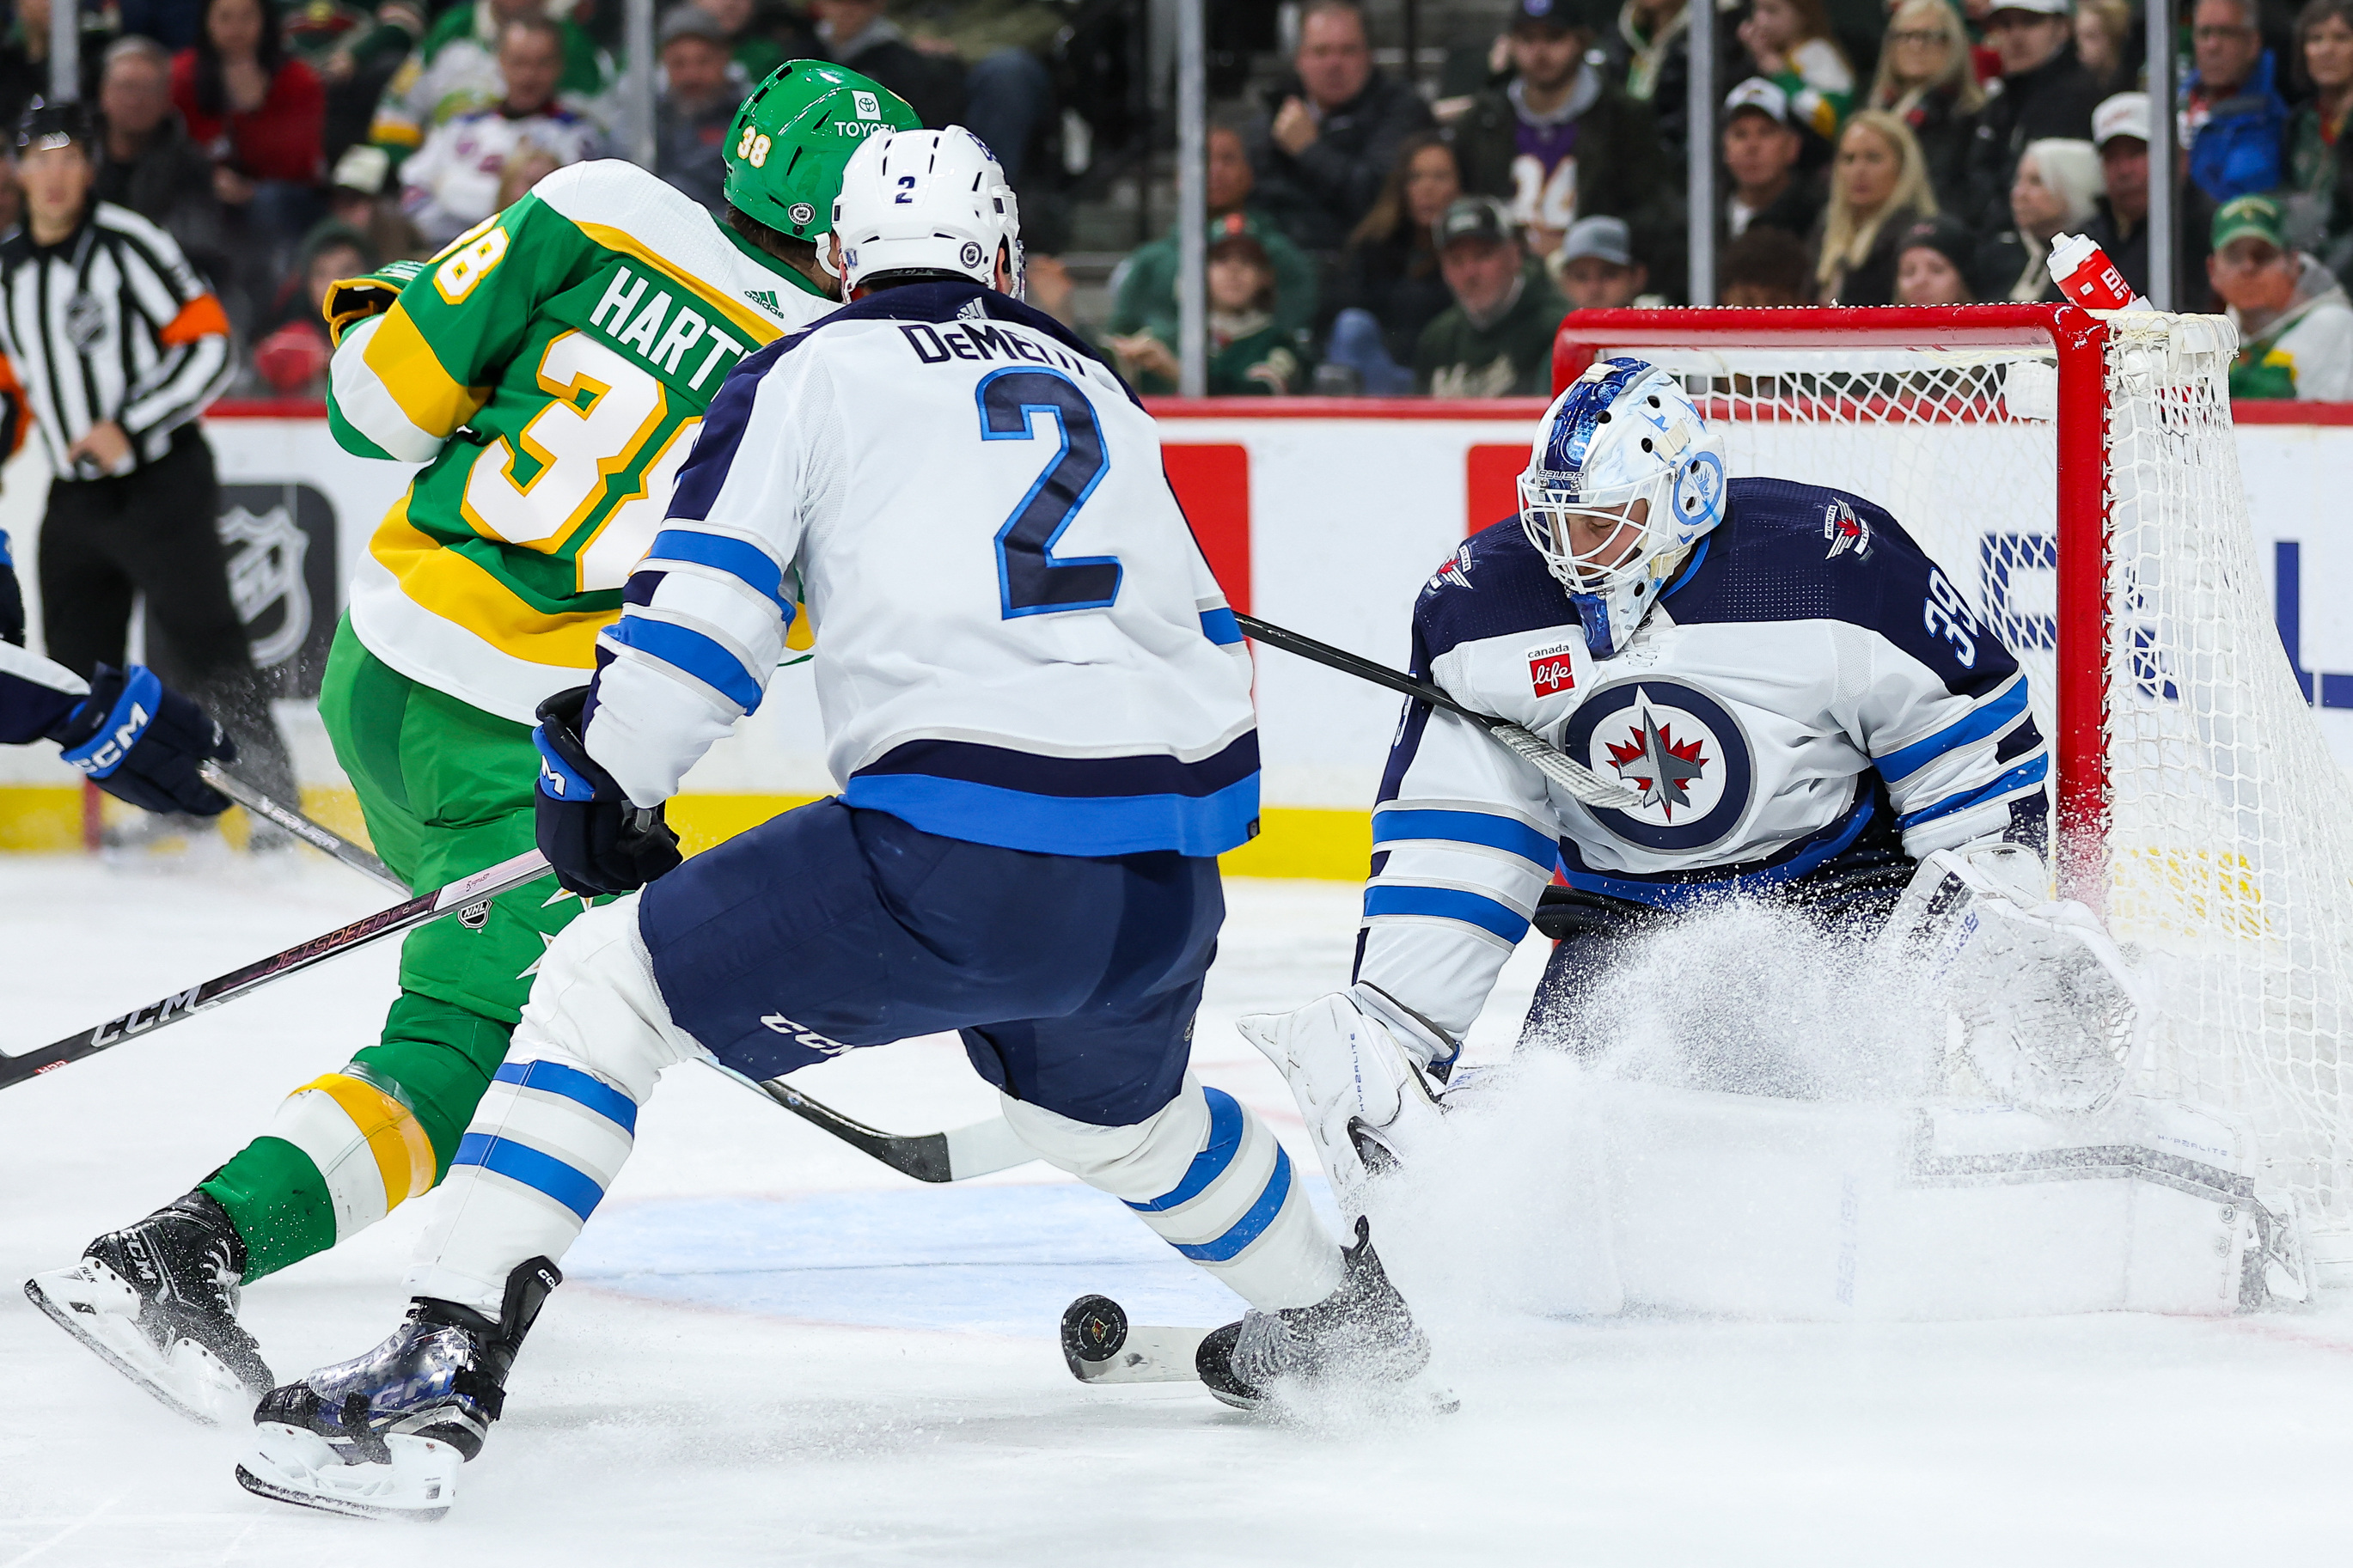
1683	750
1661	766
1845	531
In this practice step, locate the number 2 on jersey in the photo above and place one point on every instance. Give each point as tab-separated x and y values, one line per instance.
1030	579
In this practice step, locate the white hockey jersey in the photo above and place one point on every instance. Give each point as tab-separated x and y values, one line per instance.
1809	679
1019	642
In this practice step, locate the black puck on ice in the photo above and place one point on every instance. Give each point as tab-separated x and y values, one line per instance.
1093	1329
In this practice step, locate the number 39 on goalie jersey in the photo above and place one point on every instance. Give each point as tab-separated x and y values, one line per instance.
1810	682
1019	642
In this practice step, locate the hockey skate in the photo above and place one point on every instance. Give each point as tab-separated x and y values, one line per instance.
1360	1341
157	1301
383	1435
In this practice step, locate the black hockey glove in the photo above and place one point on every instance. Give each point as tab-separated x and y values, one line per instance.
143	743
11	597
597	841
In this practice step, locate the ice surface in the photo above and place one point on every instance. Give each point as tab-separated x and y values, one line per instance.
774	1351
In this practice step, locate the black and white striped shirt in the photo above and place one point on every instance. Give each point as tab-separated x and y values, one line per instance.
110	322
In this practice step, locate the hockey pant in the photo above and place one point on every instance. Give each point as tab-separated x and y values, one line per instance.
447	790
1072	981
1597	919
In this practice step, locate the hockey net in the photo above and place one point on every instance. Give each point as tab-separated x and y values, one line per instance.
2077	479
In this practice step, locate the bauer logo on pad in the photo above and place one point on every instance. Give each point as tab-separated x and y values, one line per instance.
1549	670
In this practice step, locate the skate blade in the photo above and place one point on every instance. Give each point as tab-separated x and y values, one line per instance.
289	1465
93	1304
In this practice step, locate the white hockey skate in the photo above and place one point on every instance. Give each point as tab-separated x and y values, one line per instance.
157	1301
383	1435
1356	1067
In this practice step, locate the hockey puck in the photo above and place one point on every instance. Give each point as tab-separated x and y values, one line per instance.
1093	1329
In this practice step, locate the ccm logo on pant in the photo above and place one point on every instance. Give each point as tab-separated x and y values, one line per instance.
800	1036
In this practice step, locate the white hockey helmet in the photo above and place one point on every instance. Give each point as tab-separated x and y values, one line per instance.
1624	452
926	201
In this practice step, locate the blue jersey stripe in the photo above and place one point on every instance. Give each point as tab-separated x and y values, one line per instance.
1225	1141
1252	1225
1831	844
2031	771
685	648
748	564
1395	824
1064	825
1447	903
1977	725
567	1185
1221	627
574	1085
1033	773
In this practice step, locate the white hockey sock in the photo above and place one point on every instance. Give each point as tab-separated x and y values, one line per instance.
1211	1180
560	1114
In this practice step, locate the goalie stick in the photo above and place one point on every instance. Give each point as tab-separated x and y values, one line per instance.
1555	764
950	1156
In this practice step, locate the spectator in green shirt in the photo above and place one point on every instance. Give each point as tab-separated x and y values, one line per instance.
1143	290
1495	340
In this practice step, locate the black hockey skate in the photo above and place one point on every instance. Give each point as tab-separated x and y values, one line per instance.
382	1436
157	1300
1361	1339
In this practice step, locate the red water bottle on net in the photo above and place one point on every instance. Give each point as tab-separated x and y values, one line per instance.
2087	276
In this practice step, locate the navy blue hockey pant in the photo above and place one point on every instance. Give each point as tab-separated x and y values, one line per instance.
1073	980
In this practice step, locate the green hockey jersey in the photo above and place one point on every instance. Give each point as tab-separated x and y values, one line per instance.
550	369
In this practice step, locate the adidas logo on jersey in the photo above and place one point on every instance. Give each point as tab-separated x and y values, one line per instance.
766	299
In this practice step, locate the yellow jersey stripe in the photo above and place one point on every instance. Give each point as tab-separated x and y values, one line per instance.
404	1154
405	363
759	328
445	580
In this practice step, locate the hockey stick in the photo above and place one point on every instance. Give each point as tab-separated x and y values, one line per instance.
318	836
1557	765
950	1156
462	894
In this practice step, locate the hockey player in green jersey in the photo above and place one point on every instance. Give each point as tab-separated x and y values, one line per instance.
549	370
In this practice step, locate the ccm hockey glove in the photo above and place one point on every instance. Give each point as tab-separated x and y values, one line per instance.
144	743
597	841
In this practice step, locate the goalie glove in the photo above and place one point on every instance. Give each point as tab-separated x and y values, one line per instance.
1359	1064
2043	1004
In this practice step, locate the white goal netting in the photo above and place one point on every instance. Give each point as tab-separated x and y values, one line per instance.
2226	863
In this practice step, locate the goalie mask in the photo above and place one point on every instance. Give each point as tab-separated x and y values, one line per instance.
1622	480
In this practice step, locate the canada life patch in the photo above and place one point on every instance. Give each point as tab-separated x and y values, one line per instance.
1549	670
1845	531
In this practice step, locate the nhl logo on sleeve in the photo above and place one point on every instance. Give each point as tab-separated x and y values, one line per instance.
1845	531
1550	670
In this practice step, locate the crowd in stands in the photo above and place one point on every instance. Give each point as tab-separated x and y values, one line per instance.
1930	151
1367	233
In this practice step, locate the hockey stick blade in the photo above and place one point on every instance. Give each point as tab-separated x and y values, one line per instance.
466	892
318	836
1557	765
1100	1345
955	1155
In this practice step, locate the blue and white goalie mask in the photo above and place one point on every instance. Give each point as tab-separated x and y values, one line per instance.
1622	480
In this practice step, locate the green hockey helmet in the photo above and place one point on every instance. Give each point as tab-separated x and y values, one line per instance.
785	151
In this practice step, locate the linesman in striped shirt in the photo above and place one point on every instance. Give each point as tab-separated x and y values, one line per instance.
118	346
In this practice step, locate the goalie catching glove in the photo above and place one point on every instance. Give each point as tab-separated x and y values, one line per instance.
1359	1065
2043	1001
